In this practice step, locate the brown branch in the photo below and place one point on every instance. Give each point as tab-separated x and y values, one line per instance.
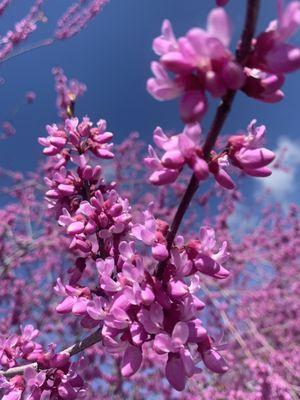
76	348
222	113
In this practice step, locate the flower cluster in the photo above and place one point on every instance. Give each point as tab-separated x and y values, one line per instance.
271	57
77	17
134	307
22	346
80	143
22	29
57	378
243	151
130	303
68	91
3	5
200	62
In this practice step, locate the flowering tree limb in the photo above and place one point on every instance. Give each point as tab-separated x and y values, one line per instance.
72	350
217	124
121	269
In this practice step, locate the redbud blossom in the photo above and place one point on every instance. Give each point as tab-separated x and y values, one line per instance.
243	151
271	57
199	62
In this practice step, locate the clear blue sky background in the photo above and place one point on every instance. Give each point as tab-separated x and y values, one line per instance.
112	56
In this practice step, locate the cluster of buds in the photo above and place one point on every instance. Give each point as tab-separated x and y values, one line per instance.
126	299
23	346
22	28
77	17
201	62
68	91
243	151
79	143
133	307
56	378
271	57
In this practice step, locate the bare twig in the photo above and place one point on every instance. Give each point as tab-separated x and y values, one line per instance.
27	49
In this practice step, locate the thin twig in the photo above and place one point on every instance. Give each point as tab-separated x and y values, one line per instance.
27	49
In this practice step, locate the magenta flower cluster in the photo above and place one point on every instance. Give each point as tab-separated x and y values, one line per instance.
57	379
3	5
272	57
77	16
22	346
68	91
22	29
131	305
201	62
243	151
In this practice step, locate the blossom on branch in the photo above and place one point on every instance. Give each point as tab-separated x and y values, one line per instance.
244	152
271	57
192	65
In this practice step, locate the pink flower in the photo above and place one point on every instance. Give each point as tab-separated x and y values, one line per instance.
106	268
152	319
55	142
131	361
199	61
280	57
243	151
149	233
204	256
218	166
272	57
12	389
77	17
180	149
211	358
180	364
247	153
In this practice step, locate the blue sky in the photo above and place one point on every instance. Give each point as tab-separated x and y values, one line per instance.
112	56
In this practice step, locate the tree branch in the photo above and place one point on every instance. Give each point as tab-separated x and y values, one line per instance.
76	348
222	113
43	43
